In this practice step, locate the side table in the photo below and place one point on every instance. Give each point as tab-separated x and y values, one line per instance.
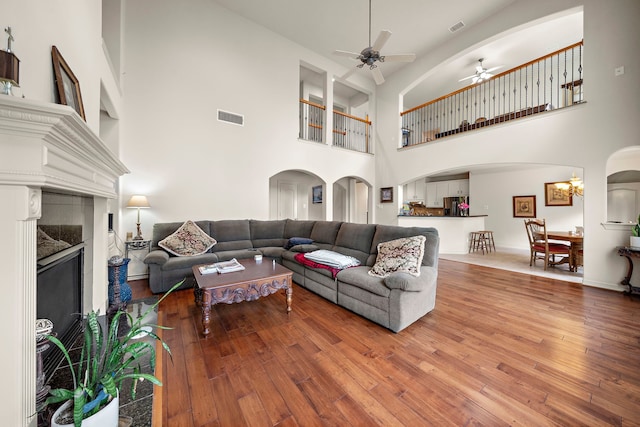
137	250
629	252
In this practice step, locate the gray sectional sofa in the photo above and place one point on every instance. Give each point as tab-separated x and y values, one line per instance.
393	302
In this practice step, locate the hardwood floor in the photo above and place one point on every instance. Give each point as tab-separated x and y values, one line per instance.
500	348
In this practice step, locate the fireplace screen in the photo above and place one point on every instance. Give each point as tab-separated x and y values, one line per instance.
59	299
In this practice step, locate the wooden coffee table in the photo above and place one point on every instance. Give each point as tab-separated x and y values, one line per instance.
255	281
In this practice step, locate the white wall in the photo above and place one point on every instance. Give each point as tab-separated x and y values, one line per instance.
583	136
37	26
184	60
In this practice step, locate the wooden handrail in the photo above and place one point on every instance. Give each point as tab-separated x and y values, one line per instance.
464	89
352	117
304	101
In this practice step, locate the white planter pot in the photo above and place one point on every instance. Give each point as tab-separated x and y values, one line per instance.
107	417
634	241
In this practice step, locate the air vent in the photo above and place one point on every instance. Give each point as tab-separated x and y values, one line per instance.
225	116
455	27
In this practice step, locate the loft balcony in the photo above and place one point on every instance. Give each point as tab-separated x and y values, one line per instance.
550	82
349	132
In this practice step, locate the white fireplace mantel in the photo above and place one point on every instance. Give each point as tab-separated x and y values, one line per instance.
43	146
49	145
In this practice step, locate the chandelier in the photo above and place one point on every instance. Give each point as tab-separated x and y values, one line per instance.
574	186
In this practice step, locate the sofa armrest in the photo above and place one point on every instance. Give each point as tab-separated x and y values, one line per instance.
157	256
407	282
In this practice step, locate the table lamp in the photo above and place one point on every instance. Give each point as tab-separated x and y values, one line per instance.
139	202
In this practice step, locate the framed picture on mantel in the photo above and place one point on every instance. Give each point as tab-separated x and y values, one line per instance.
67	85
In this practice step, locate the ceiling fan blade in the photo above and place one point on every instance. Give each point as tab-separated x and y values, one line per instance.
381	40
346	53
468	77
377	76
493	69
405	57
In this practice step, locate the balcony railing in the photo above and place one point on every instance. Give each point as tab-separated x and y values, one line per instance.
550	82
349	131
311	121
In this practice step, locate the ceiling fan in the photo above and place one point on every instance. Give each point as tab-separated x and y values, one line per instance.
481	74
371	55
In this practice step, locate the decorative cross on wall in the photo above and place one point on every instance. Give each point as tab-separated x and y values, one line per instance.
10	39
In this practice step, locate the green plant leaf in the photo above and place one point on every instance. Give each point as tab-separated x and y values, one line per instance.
106	360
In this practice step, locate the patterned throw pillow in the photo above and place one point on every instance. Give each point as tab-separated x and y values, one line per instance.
403	255
188	240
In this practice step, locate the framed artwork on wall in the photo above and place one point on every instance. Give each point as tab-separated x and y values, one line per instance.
557	195
524	206
67	85
386	195
316	194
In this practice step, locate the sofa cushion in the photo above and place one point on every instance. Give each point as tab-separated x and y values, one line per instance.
355	240
295	228
185	263
231	234
272	251
238	254
188	240
324	233
404	255
267	233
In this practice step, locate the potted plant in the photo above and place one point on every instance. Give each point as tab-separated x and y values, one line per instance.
106	360
635	231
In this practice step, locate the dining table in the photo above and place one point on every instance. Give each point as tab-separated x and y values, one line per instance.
575	240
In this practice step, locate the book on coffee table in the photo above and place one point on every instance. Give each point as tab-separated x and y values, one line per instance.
222	267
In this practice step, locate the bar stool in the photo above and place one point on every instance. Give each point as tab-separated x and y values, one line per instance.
490	243
481	240
477	241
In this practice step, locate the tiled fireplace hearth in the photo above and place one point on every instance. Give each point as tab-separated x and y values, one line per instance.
44	147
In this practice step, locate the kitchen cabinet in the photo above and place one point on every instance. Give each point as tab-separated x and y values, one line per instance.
436	191
458	187
415	191
432	195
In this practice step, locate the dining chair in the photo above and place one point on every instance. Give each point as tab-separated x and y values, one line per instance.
540	246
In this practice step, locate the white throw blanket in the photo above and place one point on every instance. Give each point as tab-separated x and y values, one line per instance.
332	259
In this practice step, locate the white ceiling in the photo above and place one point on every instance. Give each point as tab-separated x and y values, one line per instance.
417	26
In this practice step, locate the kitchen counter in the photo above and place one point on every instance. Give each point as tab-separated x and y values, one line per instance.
453	230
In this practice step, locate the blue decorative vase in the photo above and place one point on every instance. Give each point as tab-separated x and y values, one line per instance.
119	289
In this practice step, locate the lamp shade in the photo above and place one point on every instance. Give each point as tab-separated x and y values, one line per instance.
9	68
139	202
